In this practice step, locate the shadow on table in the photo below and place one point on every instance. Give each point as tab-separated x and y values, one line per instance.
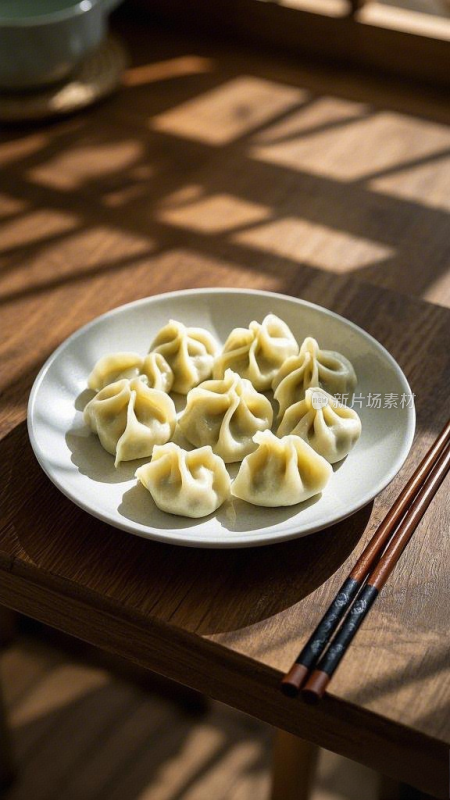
138	506
218	155
206	591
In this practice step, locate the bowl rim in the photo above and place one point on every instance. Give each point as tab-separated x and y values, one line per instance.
72	11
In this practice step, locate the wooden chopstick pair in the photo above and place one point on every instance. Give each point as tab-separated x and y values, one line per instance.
318	660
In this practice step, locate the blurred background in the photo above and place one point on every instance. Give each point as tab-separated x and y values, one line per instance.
87	725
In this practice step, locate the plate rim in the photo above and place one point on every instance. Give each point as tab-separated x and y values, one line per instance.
234	539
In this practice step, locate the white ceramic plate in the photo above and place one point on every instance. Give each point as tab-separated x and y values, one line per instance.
77	464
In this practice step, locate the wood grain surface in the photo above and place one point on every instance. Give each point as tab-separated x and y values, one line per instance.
363	34
214	167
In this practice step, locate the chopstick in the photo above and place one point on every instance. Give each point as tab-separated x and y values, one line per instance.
319	639
320	678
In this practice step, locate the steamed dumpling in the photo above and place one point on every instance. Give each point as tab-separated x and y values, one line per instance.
226	414
330	427
281	472
189	484
130	418
157	371
190	353
115	366
312	367
257	352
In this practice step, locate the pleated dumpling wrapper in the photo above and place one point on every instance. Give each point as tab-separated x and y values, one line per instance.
312	367
331	428
186	483
257	352
190	353
226	414
129	418
281	472
115	366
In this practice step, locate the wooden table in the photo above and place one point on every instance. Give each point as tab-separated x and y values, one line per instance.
217	167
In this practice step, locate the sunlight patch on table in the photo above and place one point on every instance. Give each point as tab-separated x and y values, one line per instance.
317	245
12	150
212	214
223	114
200	265
434	24
84	164
164	70
36	226
316	115
328	8
9	206
438	291
360	150
98	249
426	184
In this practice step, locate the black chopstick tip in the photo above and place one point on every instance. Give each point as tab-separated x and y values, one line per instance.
293	680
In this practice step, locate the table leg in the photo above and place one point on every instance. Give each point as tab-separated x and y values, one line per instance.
6	758
294	766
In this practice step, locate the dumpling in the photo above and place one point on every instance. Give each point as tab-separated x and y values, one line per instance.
226	414
188	484
312	367
330	427
130	418
190	353
281	472
116	366
257	352
112	368
157	371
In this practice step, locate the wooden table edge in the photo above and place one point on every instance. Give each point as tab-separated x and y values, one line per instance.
224	675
